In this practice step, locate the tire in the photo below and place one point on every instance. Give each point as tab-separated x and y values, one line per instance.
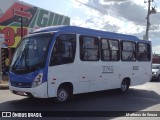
30	95
158	79
124	86
63	94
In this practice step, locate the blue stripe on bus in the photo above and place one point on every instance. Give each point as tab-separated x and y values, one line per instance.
87	31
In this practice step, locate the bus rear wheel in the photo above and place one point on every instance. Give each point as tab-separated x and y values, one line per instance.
124	86
63	94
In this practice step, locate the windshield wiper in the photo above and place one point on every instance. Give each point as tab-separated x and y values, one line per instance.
22	55
26	59
17	61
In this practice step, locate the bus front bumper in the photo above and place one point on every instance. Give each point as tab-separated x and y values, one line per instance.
37	92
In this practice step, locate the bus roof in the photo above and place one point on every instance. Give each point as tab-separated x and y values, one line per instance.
87	31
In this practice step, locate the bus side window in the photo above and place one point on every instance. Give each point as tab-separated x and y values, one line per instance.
128	51
144	52
109	49
64	50
114	50
89	48
105	53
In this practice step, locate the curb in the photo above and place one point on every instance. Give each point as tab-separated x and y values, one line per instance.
4	86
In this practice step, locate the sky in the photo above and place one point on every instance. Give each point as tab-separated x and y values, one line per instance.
122	16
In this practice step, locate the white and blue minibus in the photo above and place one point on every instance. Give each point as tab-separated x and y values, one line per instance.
60	61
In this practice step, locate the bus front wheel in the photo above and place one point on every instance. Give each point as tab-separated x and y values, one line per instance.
124	86
63	94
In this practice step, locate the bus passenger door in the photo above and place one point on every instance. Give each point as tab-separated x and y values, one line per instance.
61	62
99	81
110	77
84	79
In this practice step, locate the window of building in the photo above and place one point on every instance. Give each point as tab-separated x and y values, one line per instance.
89	48
128	51
144	52
109	50
64	49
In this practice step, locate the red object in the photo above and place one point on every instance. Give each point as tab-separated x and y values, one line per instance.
9	13
156	59
22	14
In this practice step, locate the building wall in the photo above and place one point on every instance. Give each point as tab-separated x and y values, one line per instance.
33	18
11	12
156	59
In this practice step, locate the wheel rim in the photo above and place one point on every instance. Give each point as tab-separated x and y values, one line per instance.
62	95
124	86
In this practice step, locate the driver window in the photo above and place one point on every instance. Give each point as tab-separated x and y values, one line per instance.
63	50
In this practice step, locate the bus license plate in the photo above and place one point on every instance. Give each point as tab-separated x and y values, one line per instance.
20	93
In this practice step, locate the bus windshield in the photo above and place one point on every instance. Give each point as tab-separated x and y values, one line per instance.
31	53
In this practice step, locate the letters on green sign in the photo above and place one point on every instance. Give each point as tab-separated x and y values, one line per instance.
44	18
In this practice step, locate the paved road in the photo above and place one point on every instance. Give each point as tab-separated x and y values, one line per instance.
140	98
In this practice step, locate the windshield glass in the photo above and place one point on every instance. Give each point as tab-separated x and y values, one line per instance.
155	66
31	53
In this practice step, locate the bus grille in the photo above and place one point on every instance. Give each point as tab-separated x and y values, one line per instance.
21	84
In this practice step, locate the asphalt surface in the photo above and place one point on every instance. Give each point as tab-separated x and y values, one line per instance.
140	98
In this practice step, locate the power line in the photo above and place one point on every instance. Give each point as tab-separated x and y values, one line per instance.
103	11
131	28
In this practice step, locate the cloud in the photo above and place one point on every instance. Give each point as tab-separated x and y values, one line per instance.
124	11
130	11
155	19
127	10
127	17
77	21
109	27
109	22
106	2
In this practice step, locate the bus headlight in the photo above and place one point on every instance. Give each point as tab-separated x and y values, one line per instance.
38	80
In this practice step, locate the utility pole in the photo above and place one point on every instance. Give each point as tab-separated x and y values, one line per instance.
21	24
150	11
148	23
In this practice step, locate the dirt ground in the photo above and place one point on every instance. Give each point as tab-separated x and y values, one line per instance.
4	79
